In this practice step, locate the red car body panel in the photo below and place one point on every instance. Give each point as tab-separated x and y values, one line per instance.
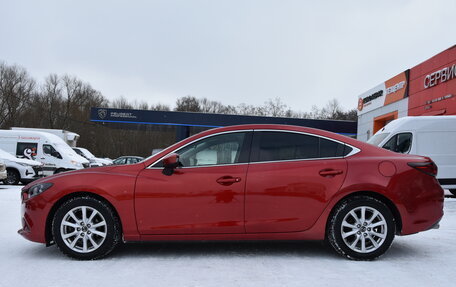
276	200
190	201
289	196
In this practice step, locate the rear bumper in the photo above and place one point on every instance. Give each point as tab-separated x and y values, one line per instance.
424	211
435	225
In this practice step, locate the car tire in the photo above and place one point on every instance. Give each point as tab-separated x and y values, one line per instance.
86	228
453	191
12	177
361	228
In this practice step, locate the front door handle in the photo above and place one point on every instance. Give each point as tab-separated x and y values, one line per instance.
329	172
228	180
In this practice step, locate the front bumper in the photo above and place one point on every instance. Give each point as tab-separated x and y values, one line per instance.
33	217
31	174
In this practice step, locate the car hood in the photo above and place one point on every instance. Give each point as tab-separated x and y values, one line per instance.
103	161
82	172
28	162
23	161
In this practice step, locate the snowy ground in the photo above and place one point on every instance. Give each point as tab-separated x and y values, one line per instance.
422	259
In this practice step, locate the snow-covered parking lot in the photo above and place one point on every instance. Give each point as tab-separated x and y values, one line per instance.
424	259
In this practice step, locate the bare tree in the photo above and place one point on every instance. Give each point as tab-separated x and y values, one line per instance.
120	103
160	107
187	104
275	107
332	109
16	89
208	106
52	100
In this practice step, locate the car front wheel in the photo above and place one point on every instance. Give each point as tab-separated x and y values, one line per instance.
361	228
86	228
12	177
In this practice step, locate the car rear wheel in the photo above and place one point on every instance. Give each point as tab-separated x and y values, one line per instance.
85	228
12	177
361	228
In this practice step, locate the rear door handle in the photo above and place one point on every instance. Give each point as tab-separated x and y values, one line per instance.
329	172
228	180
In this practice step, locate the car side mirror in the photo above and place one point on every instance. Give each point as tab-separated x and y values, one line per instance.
170	163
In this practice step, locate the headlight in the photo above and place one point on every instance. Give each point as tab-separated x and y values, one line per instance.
78	164
35	190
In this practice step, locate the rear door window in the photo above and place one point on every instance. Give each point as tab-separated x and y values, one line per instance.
279	146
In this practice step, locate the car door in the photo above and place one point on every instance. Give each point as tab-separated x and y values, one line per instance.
290	178
205	195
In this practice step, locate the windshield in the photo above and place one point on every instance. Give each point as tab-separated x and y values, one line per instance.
63	147
377	138
86	152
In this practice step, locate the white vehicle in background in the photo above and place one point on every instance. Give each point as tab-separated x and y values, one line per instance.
94	161
49	149
432	136
20	169
3	173
70	138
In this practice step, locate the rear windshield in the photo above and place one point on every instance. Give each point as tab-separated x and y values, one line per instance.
378	138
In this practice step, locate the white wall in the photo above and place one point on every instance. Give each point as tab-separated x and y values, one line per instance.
366	121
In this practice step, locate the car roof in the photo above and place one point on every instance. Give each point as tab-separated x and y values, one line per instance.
364	147
421	122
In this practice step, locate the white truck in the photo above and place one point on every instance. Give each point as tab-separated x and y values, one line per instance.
432	136
20	169
49	149
70	138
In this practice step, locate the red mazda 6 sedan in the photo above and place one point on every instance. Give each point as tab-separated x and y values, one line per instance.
247	182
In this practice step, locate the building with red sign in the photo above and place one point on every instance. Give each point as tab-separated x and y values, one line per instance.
427	89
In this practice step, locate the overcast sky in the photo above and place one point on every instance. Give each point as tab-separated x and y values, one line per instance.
305	52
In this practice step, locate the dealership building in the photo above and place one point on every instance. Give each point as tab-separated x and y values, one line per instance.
428	89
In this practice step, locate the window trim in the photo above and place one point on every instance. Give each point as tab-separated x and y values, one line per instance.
151	166
354	151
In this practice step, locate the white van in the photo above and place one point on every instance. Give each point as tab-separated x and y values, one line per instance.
94	161
69	137
20	169
49	149
432	136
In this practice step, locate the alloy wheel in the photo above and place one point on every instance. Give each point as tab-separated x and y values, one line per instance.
83	229
364	229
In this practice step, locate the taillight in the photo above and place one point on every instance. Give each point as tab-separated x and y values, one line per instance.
428	167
